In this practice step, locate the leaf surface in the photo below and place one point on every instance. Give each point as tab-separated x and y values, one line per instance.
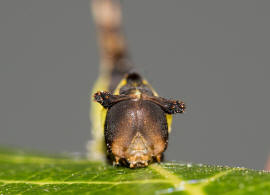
27	173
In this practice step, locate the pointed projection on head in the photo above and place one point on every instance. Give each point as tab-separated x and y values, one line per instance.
169	106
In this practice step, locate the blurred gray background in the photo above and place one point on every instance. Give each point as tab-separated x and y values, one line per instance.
212	54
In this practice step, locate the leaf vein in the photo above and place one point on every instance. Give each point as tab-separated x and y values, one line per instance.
84	182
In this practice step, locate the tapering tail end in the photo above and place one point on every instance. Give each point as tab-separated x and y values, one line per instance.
108	18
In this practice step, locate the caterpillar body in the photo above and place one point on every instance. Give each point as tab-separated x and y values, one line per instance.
130	122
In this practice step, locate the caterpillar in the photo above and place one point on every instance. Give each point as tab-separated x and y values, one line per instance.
130	122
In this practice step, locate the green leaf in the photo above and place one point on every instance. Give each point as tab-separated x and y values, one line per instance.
28	173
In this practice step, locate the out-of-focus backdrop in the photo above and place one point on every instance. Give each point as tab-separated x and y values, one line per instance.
212	54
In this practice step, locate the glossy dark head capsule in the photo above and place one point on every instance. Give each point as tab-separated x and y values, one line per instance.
136	131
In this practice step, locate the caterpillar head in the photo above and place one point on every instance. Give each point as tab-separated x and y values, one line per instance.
136	127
